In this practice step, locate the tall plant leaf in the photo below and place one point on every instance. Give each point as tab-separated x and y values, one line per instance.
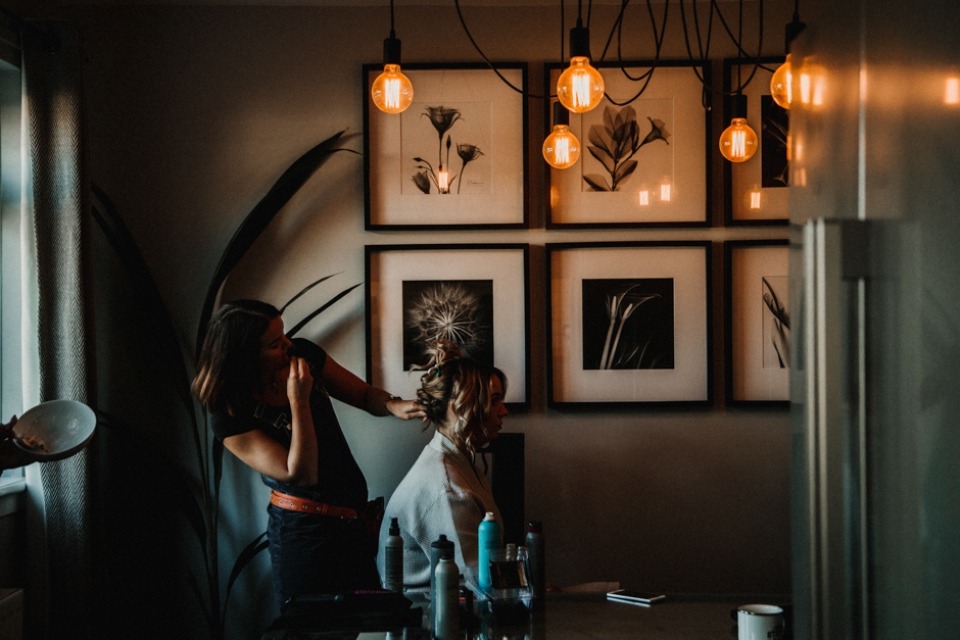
258	219
249	552
306	289
148	302
326	305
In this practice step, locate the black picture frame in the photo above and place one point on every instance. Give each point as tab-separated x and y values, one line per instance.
491	116
751	196
653	335
406	283
757	299
680	159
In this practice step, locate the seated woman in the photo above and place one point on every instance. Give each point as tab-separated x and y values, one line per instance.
269	402
444	492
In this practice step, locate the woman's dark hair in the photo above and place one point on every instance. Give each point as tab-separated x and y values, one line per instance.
451	377
229	367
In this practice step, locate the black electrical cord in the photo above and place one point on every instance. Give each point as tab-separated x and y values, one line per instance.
703	44
487	60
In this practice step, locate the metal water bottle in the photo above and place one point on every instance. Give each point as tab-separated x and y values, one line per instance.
393	559
446	605
489	548
437	548
535	549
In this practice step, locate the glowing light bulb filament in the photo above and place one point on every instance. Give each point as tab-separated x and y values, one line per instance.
738	144
581	90
805	88
391	93
562	151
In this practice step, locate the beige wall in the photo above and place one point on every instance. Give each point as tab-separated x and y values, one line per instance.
194	112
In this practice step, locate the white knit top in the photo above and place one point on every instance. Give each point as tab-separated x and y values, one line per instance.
443	493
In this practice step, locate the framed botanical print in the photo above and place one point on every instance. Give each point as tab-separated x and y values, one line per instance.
644	158
757	277
629	323
474	295
455	158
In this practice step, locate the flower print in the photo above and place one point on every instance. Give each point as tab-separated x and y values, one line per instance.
442	118
422	180
468	153
658	131
615	143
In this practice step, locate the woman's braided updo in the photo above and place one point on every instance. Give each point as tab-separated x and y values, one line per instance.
462	384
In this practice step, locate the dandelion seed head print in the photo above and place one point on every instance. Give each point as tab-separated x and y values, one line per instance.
457	310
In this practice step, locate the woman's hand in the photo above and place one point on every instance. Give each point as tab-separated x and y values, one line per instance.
299	380
406	409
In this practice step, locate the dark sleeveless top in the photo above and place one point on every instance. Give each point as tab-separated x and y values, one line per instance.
341	482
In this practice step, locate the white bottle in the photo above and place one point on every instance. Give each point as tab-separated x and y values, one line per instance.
393	559
446	606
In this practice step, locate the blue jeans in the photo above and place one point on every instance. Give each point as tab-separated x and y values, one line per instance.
313	554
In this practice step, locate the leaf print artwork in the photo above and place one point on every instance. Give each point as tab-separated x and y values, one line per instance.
615	143
776	322
446	139
628	323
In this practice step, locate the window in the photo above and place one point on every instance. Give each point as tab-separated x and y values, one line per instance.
11	395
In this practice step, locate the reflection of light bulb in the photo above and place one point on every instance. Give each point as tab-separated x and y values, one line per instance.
561	149
580	87
738	142
952	93
644	198
755	199
665	193
780	82
443	180
392	91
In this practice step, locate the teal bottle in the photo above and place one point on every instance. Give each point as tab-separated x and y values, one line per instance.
489	548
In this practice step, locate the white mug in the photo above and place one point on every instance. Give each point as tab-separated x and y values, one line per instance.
760	622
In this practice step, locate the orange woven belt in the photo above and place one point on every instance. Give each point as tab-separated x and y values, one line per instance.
304	505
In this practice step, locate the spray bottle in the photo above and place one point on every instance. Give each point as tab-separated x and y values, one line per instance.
393	558
489	548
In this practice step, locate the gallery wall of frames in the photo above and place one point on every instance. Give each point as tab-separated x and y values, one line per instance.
629	323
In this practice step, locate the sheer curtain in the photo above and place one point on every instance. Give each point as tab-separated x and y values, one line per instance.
58	304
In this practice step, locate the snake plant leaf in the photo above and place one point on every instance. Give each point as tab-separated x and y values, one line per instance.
249	552
174	480
258	219
323	308
147	301
307	288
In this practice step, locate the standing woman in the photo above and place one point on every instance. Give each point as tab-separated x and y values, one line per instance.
272	410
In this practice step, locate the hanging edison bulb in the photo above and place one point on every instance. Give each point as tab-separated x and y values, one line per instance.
392	91
580	86
561	149
781	84
738	142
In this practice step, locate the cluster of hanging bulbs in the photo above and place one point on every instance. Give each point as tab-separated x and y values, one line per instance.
580	88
